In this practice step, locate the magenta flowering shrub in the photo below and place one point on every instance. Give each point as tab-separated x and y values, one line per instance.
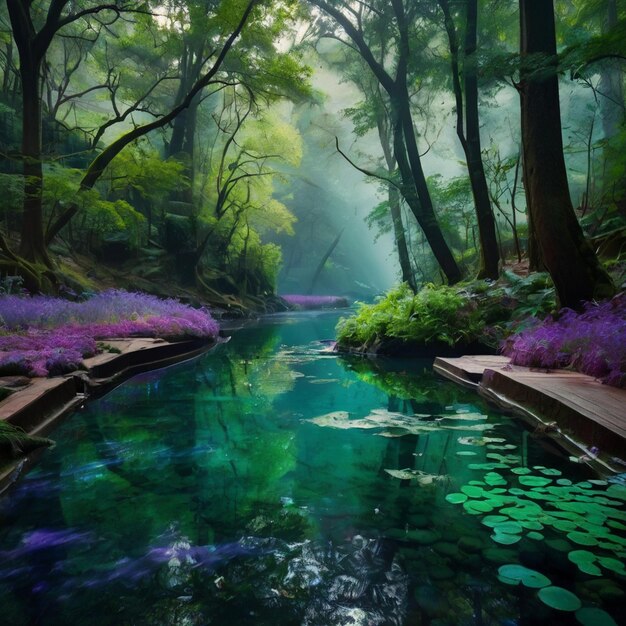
49	336
316	302
592	342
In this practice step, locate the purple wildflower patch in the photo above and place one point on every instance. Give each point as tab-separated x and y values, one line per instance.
592	342
49	336
316	302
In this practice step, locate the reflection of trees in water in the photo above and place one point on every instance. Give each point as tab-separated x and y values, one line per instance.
234	416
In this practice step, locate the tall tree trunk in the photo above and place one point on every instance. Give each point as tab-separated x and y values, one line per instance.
418	198
611	83
469	133
32	244
573	265
486	223
400	238
385	136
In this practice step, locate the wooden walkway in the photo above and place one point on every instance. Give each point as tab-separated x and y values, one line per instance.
578	408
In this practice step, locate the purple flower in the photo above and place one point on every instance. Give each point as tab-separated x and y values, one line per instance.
49	336
315	302
592	342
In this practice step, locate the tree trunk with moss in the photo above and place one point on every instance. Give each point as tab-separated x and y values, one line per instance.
568	257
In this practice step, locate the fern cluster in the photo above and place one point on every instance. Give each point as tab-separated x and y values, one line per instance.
435	315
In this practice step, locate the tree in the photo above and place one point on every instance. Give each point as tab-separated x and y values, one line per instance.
32	44
573	265
395	21
468	130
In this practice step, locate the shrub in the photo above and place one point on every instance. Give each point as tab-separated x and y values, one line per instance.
433	315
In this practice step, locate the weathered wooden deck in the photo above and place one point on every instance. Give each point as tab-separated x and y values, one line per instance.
578	408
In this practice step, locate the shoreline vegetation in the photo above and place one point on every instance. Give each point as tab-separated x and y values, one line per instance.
515	316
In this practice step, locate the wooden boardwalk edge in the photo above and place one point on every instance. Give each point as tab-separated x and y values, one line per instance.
585	417
39	407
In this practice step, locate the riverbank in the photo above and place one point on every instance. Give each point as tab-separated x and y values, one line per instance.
37	405
585	417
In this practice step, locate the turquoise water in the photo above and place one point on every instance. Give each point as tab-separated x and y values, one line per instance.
271	482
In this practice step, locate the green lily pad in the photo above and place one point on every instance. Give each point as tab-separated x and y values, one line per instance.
487	466
520	471
492	520
466	453
581	556
513	528
616	525
505	539
535	536
592	616
546	471
518	574
565	525
531	525
477	482
534	481
617	491
564	481
472	491
612	564
494	479
590	568
559	598
456	498
582	539
476	507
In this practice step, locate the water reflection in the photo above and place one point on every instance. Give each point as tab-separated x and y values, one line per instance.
274	483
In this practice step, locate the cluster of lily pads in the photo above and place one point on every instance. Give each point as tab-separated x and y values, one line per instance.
590	513
555	597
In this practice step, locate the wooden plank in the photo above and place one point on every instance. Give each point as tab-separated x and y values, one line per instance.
468	370
587	412
583	408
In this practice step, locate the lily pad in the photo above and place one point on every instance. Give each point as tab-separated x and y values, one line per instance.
581	556
521	471
472	491
559	598
518	574
535	536
487	466
617	491
456	498
476	507
505	539
582	539
592	616
512	528
590	568
546	471
492	520
494	479
534	481
612	564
